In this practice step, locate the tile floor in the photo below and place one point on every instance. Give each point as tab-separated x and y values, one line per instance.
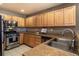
18	51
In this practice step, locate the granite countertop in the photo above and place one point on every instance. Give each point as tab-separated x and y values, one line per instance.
50	35
45	50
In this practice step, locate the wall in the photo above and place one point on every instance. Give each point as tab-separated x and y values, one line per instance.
4	11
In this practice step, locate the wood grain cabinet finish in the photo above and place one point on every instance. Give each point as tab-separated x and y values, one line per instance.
26	39
14	18
7	17
21	38
70	16
21	22
39	20
60	17
45	19
32	40
26	22
59	21
51	18
30	22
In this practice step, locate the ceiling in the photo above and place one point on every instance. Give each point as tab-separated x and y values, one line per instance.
28	8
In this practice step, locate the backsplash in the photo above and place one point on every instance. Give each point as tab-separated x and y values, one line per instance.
51	30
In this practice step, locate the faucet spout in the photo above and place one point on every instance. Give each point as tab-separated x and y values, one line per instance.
73	41
70	30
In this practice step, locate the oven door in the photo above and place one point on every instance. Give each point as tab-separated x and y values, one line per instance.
11	40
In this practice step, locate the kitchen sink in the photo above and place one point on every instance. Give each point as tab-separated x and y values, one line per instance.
60	43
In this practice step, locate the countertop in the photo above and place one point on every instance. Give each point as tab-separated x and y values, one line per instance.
51	35
45	50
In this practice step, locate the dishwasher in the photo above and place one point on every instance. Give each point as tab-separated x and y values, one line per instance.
45	38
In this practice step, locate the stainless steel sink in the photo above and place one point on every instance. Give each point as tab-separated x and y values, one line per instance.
60	43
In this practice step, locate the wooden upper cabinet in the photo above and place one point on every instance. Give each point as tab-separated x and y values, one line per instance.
7	17
14	18
30	22
70	16
61	17
21	22
45	19
59	21
26	22
50	18
38	20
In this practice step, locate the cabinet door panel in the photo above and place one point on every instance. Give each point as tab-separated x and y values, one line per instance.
20	22
26	39
26	22
7	17
38	20
45	19
21	38
30	21
14	18
51	18
70	16
59	21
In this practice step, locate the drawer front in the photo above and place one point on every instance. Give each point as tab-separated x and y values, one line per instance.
38	40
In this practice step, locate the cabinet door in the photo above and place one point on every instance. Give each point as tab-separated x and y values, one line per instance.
51	18
70	16
59	21
45	19
7	17
38	20
21	38
32	40
26	39
31	22
20	21
26	22
37	40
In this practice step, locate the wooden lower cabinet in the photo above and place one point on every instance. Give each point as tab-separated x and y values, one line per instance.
32	40
26	39
21	37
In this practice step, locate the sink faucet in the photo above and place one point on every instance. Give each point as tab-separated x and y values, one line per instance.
73	41
70	30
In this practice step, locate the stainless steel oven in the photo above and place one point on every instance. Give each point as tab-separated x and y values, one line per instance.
12	40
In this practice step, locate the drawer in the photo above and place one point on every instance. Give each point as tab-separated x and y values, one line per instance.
38	40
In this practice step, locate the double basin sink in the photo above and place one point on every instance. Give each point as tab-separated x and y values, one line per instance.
60	43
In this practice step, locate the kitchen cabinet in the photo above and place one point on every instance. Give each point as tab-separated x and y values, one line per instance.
15	18
70	16
21	22
26	39
51	17
38	20
45	19
60	17
26	22
30	21
32	40
59	21
21	38
7	17
37	40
